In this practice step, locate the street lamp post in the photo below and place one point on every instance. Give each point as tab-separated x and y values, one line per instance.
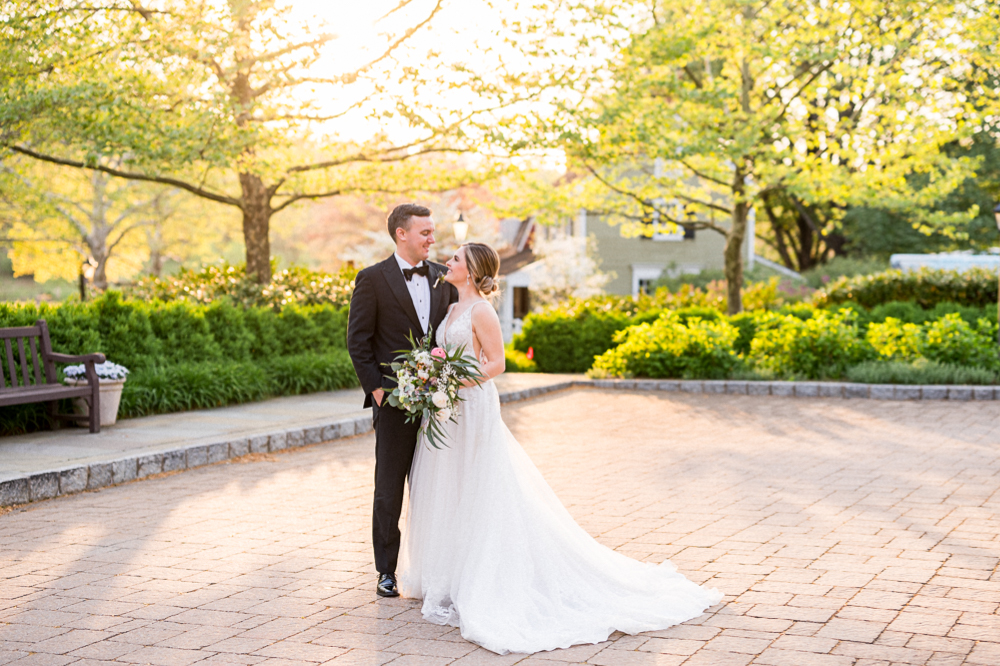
461	228
996	214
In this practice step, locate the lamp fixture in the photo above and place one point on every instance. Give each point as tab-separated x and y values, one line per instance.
461	228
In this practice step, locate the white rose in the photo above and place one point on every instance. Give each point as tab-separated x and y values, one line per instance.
443	415
439	399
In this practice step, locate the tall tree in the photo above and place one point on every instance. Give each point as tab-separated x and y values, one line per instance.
712	108
65	221
188	89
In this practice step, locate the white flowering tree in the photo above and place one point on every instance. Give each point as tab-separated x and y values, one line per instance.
567	268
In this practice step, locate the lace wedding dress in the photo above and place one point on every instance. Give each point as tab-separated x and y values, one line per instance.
490	549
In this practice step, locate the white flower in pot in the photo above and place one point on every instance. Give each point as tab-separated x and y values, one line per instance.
112	379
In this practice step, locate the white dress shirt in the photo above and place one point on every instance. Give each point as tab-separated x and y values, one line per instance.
420	292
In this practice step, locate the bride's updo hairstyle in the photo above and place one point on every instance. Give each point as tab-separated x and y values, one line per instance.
484	267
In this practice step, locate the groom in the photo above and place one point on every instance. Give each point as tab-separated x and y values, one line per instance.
393	299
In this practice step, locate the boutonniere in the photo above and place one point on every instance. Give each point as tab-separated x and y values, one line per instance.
438	281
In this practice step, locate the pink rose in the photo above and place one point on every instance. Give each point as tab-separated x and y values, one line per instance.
437	352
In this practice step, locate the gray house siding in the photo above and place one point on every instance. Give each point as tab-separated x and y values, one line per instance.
633	259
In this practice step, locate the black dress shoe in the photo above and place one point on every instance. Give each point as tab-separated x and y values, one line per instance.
387	585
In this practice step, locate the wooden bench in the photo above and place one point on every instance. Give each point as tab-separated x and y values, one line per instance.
30	388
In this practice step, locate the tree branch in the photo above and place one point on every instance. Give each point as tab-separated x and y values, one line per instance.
392	47
201	192
124	232
267	57
802	88
361	157
704	175
687	70
646	204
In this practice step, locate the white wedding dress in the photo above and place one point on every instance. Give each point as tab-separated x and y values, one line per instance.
490	549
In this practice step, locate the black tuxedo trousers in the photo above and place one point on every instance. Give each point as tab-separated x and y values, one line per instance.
382	318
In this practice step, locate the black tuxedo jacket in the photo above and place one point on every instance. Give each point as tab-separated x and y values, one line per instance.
382	317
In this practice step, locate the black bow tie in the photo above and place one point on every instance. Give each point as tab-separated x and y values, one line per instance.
422	269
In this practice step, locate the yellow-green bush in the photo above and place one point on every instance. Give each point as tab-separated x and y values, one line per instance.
518	361
820	347
952	340
670	347
895	339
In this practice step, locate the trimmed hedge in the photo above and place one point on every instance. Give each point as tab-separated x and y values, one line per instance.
976	287
184	355
141	334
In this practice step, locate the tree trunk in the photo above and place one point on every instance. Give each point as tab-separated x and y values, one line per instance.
100	280
256	224
734	257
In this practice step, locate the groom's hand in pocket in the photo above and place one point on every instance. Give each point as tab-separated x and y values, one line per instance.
377	396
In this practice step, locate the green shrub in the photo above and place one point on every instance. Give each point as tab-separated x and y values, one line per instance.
921	371
518	361
971	314
746	324
803	311
688	313
184	355
820	347
952	340
310	373
904	311
125	330
568	337
839	267
568	341
184	333
315	328
207	384
669	347
230	331
186	386
975	287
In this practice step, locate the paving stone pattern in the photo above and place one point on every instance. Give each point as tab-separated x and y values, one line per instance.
843	533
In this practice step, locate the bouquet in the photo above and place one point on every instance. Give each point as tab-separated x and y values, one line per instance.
428	379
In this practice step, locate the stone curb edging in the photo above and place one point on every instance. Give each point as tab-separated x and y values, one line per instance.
46	485
804	389
69	480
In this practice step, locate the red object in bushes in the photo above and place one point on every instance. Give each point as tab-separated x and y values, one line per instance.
531	353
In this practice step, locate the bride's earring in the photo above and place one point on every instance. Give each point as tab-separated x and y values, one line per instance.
468	280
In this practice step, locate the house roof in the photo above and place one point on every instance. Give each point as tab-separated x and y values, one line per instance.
513	262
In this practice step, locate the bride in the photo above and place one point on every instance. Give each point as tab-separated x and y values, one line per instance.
487	544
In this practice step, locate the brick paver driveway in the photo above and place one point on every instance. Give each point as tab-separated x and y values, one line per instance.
856	533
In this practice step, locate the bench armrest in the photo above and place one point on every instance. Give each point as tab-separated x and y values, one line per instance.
83	358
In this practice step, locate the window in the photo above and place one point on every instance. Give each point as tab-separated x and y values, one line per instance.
522	302
643	277
658	231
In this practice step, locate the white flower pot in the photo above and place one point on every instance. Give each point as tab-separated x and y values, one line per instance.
111	396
